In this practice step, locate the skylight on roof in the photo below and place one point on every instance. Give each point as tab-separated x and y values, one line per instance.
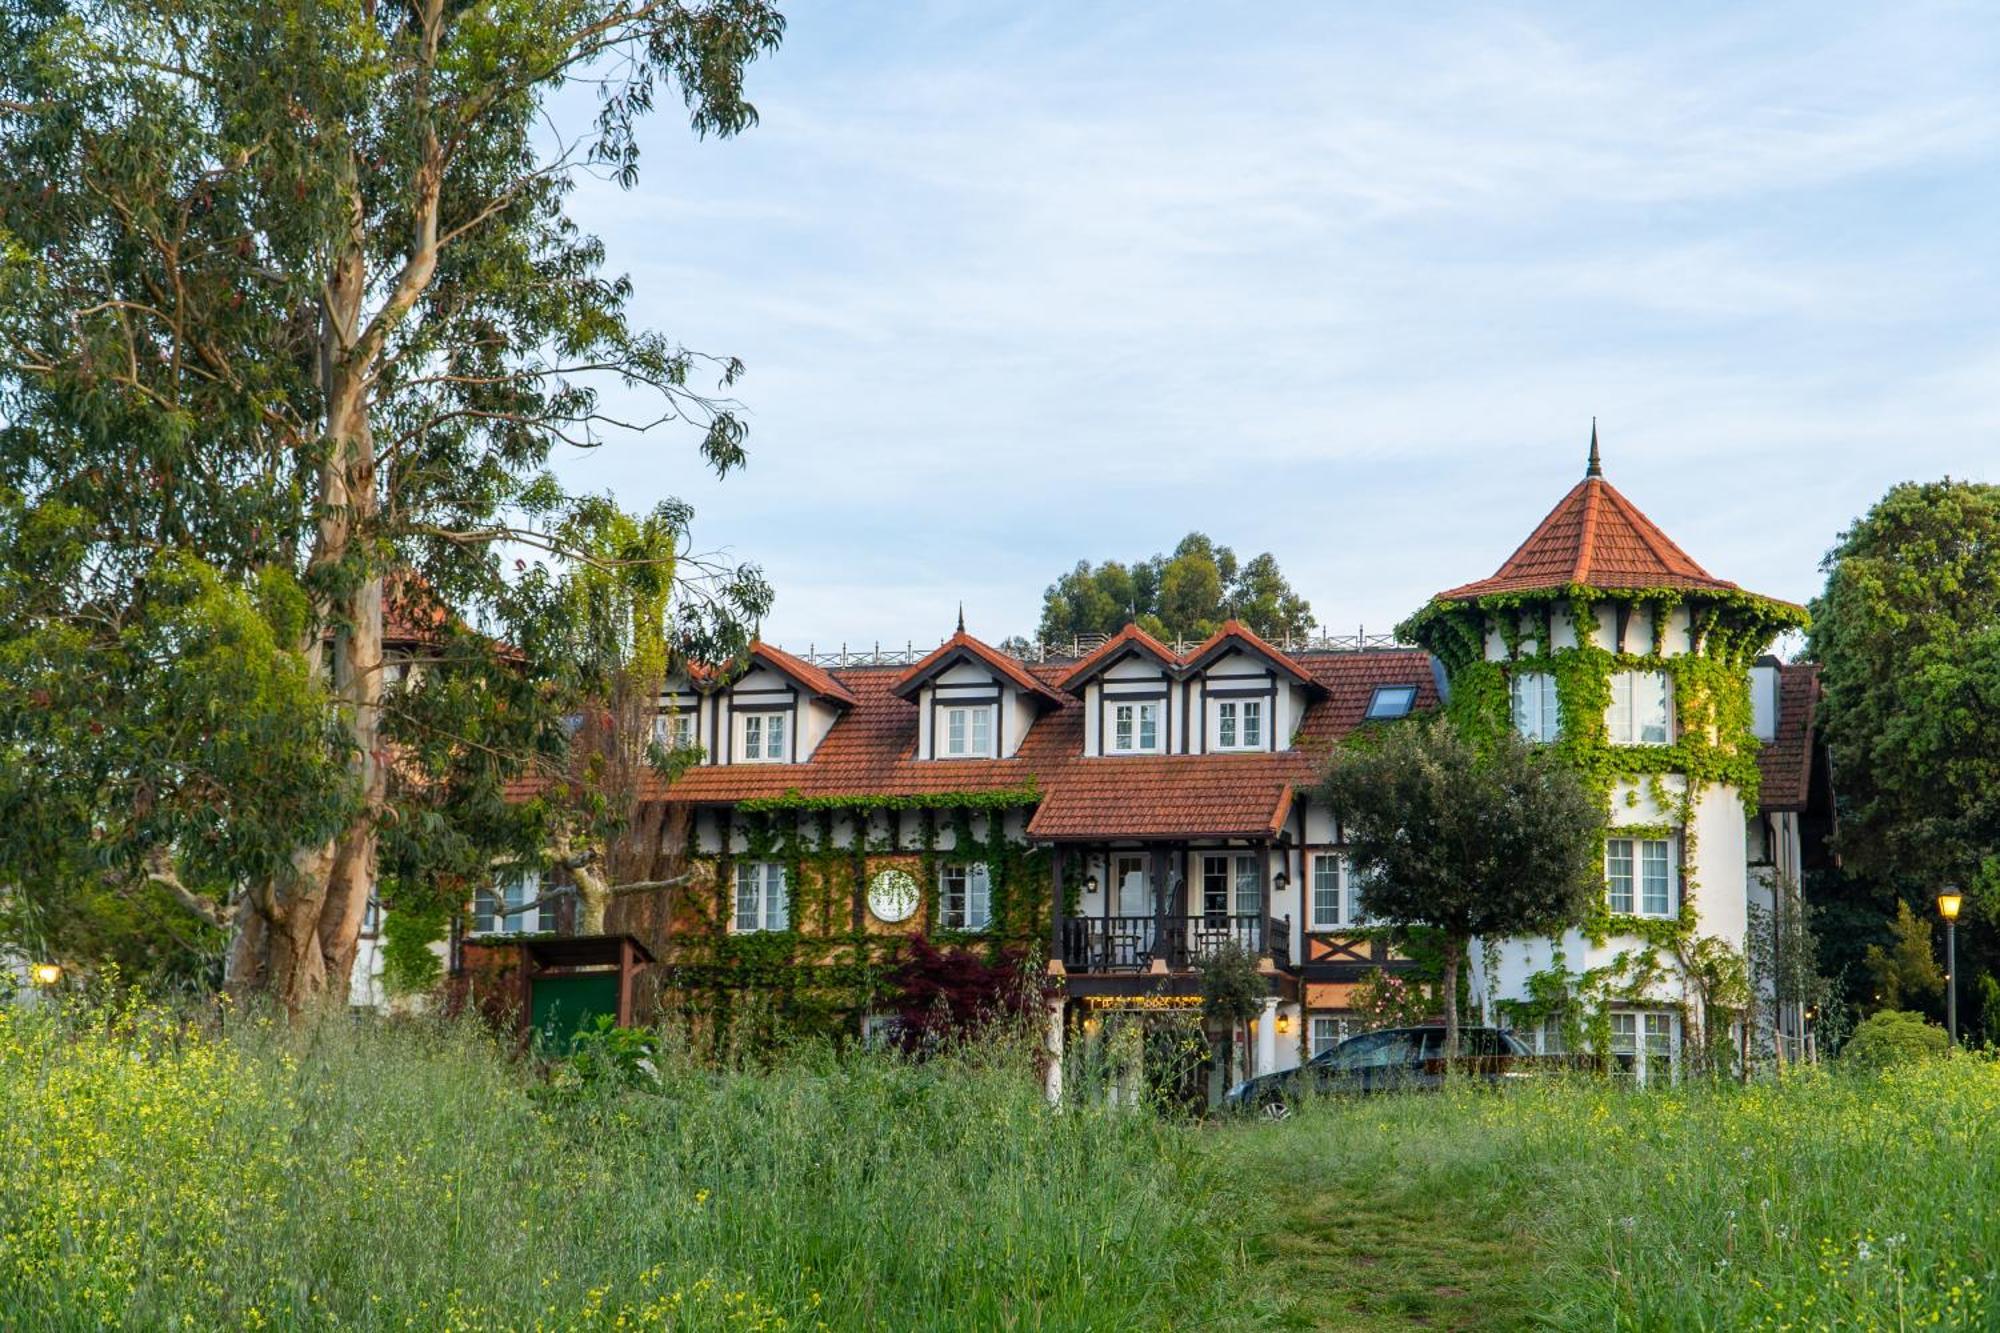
1391	701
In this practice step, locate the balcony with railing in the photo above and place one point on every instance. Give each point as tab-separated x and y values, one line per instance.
1133	943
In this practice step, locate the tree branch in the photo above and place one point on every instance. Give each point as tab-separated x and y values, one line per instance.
160	870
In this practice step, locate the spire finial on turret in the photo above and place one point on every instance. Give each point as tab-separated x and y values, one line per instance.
1596	468
961	617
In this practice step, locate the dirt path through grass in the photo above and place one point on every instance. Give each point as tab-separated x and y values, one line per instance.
1347	1249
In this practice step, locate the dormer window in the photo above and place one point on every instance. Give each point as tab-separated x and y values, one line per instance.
674	731
1135	728
1391	701
968	732
1641	711
1239	724
764	738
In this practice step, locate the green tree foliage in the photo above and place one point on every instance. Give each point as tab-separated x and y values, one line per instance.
1186	595
1906	971
1232	995
293	314
1988	991
1893	1037
1494	840
1907	632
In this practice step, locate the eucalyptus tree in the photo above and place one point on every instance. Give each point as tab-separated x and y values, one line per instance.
294	312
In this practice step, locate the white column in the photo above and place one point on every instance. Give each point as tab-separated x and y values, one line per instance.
1267	1037
1052	1081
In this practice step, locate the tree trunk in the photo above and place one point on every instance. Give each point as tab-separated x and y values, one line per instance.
1453	950
297	939
593	896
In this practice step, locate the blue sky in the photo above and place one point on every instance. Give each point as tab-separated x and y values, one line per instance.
1023	284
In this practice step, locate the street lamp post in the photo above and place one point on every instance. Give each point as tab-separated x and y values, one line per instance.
1949	902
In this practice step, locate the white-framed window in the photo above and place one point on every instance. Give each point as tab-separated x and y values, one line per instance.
763	738
1327	1033
1329	891
502	908
965	896
1647	1041
763	899
1135	728
675	731
1549	1038
1640	876
1641	711
1231	885
371	918
1535	711
968	732
1239	724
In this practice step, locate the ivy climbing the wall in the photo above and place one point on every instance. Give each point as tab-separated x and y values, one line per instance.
1705	642
835	962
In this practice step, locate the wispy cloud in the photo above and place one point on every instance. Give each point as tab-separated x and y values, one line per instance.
1022	286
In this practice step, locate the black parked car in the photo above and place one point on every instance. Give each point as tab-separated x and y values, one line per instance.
1392	1060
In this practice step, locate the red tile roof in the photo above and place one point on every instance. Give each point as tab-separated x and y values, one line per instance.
870	752
800	670
1158	796
1114	647
1594	538
963	643
1785	761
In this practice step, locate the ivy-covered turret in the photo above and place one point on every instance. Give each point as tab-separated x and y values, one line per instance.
1603	639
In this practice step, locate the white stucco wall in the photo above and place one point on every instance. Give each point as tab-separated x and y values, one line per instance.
1714	876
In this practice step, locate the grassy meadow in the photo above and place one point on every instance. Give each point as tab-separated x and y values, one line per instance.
157	1174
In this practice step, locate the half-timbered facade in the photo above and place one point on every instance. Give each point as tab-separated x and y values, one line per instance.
1122	814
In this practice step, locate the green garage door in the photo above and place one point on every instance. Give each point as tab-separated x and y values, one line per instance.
562	1005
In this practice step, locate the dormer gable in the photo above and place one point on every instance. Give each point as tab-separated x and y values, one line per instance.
1130	687
973	701
1243	694
1127	644
768	708
1236	638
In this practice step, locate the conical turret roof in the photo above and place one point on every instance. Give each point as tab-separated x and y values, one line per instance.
1594	538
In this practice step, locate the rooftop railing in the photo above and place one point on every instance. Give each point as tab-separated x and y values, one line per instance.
909	653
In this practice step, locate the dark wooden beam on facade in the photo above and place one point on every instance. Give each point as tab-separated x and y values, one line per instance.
857	843
1056	901
1157	874
1264	899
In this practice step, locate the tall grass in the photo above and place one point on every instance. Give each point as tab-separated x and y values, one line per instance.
159	1173
155	1174
1821	1201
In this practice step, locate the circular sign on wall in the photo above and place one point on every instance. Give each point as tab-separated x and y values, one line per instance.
892	896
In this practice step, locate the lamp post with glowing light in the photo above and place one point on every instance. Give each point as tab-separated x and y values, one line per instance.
1949	901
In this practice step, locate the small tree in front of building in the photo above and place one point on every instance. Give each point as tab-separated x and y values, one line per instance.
1492	839
1232	993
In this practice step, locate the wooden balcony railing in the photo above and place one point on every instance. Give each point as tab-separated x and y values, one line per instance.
1131	943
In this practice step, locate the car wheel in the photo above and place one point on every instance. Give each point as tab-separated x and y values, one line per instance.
1275	1107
